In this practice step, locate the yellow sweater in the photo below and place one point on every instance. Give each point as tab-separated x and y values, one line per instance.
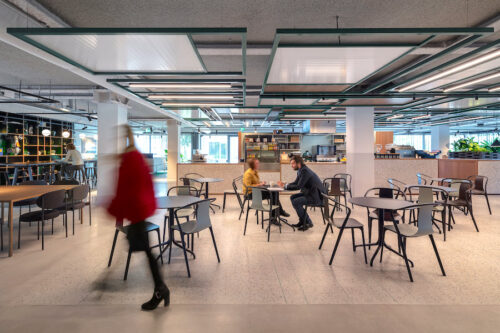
250	178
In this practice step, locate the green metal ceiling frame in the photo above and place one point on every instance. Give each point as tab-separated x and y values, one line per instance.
24	33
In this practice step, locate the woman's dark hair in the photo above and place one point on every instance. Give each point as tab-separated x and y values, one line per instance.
70	146
298	160
251	163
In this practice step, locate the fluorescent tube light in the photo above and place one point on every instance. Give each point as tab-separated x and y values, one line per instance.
469	83
421	117
453	70
454	121
395	116
181	86
197	105
207	123
494	89
190	97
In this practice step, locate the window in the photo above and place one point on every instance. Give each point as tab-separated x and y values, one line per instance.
185	149
233	149
215	147
418	141
151	144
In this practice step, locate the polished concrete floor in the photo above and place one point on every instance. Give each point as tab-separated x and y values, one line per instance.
283	285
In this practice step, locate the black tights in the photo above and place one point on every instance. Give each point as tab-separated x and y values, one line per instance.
139	241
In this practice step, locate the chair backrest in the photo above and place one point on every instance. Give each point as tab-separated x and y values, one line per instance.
80	193
396	184
463	193
386	192
333	186
33	182
203	214
332	204
480	182
237	181
71	181
257	198
52	200
422	179
347	180
182	190
5	177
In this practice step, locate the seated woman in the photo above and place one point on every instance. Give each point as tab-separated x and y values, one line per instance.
73	161
251	178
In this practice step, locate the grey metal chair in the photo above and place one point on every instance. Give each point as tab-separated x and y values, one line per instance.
423	179
462	202
188	180
341	223
28	202
234	191
423	228
149	228
49	204
346	185
480	188
258	205
184	213
201	223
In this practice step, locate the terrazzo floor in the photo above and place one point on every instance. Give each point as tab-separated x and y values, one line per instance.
284	285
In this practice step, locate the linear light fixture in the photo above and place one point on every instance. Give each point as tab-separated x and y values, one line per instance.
197	104
494	89
228	124
454	121
207	124
461	67
308	117
181	86
469	83
395	116
190	97
421	116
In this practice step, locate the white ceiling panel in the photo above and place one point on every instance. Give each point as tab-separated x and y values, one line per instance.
321	65
466	103
287	101
126	52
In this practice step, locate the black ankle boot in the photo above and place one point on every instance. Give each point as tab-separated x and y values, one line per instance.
158	296
283	213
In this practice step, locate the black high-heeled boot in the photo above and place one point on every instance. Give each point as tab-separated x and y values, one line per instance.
158	296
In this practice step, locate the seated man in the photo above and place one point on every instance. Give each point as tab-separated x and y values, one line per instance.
310	187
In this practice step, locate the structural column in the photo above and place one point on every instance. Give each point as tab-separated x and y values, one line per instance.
173	132
440	138
111	142
360	143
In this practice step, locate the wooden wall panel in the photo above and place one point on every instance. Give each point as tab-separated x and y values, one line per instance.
384	138
455	168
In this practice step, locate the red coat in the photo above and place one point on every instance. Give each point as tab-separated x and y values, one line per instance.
135	196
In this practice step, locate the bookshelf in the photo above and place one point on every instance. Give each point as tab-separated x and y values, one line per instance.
22	141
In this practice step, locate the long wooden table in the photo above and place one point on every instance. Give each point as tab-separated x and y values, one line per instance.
12	194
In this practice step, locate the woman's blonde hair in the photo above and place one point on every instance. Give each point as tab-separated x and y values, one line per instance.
251	163
70	146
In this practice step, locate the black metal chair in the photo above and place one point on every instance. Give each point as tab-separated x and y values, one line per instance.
201	223
188	179
462	202
334	188
423	228
28	202
480	188
341	223
149	228
423	179
234	191
49	204
389	216
75	201
346	186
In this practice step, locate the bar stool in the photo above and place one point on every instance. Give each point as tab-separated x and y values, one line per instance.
79	173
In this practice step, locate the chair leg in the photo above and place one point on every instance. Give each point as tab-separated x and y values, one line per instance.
369	233
73	211
336	245
487	201
246	221
185	253
170	249
268	226
242	210
159	243
473	219
215	244
353	240
443	219
18	236
164	227
113	248
52	226
328	226
406	259
437	254
43	238
127	265
224	202
364	244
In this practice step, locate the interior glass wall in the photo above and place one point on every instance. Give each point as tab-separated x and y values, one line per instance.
418	141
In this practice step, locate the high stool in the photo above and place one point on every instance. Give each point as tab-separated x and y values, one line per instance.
79	173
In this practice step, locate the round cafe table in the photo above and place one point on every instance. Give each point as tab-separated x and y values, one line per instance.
275	199
382	205
207	181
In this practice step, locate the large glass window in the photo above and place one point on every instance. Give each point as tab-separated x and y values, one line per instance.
151	144
215	147
418	141
185	149
233	149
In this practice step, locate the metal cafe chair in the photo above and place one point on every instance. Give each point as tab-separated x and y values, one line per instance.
480	188
334	188
462	202
423	228
341	223
346	184
201	223
234	191
258	205
185	213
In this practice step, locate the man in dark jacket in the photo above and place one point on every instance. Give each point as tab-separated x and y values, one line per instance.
310	187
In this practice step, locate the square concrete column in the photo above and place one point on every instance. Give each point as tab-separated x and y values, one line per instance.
440	138
173	132
111	141
360	143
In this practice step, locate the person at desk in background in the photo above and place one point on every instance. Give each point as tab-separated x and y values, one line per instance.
72	162
310	187
251	178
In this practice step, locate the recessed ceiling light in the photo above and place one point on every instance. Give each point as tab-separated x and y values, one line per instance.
190	97
395	116
181	86
469	83
421	116
197	105
461	67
